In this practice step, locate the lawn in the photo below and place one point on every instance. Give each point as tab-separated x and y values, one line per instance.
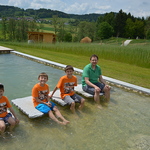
130	64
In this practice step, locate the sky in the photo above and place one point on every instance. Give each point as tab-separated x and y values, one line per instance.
137	8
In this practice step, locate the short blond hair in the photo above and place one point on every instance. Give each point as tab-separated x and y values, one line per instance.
43	74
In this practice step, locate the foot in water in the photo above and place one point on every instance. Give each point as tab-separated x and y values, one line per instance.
99	107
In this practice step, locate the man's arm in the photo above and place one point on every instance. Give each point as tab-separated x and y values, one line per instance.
102	80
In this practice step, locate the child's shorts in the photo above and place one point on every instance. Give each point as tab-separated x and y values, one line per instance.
44	108
5	119
74	98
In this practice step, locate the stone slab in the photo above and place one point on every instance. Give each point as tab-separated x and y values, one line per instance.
25	104
5	49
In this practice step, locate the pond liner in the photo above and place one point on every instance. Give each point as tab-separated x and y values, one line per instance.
111	81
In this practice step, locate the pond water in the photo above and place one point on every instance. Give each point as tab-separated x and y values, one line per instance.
123	124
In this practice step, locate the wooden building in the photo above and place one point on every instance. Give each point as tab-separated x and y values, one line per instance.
41	37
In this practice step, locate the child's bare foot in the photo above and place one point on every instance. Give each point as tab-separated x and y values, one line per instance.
2	135
99	106
11	135
66	121
80	109
62	123
72	110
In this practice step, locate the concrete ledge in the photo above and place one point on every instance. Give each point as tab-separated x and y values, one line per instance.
128	85
25	104
56	98
5	49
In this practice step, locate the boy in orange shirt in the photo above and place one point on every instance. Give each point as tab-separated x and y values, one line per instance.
66	85
6	117
41	101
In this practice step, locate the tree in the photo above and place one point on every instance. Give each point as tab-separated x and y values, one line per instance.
21	30
120	23
4	27
86	29
32	26
55	22
61	30
147	28
11	29
68	37
129	29
139	29
104	31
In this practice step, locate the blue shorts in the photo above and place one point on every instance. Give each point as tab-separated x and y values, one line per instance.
91	90
5	119
44	108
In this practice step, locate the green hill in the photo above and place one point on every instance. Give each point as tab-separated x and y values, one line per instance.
11	11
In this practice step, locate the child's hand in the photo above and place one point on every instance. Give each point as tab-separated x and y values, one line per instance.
49	104
17	120
50	97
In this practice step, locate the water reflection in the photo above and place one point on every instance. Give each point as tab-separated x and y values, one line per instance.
115	127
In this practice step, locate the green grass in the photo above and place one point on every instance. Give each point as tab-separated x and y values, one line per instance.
130	64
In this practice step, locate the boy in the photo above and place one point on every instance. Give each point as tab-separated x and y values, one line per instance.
41	101
6	117
93	82
66	85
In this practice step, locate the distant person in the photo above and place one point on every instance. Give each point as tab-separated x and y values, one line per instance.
5	116
41	100
93	82
66	85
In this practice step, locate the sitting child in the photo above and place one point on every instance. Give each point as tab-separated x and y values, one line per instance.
66	85
41	101
6	117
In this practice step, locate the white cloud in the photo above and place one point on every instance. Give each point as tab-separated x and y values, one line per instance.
138	8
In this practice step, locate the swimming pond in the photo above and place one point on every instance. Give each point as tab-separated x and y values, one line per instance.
123	124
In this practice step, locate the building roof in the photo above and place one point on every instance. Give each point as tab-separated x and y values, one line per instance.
40	32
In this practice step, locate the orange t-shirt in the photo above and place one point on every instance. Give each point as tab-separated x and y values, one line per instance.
66	85
41	92
4	104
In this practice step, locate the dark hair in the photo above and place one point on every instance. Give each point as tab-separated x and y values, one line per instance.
43	74
1	86
94	56
68	67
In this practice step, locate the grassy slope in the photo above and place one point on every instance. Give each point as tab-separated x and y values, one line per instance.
121	71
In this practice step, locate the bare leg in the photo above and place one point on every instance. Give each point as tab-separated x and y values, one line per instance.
12	123
97	99
107	93
2	128
72	107
59	115
82	104
52	116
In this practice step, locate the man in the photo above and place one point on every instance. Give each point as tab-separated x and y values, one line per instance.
93	82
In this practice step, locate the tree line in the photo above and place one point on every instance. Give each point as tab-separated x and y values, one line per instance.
107	25
11	11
